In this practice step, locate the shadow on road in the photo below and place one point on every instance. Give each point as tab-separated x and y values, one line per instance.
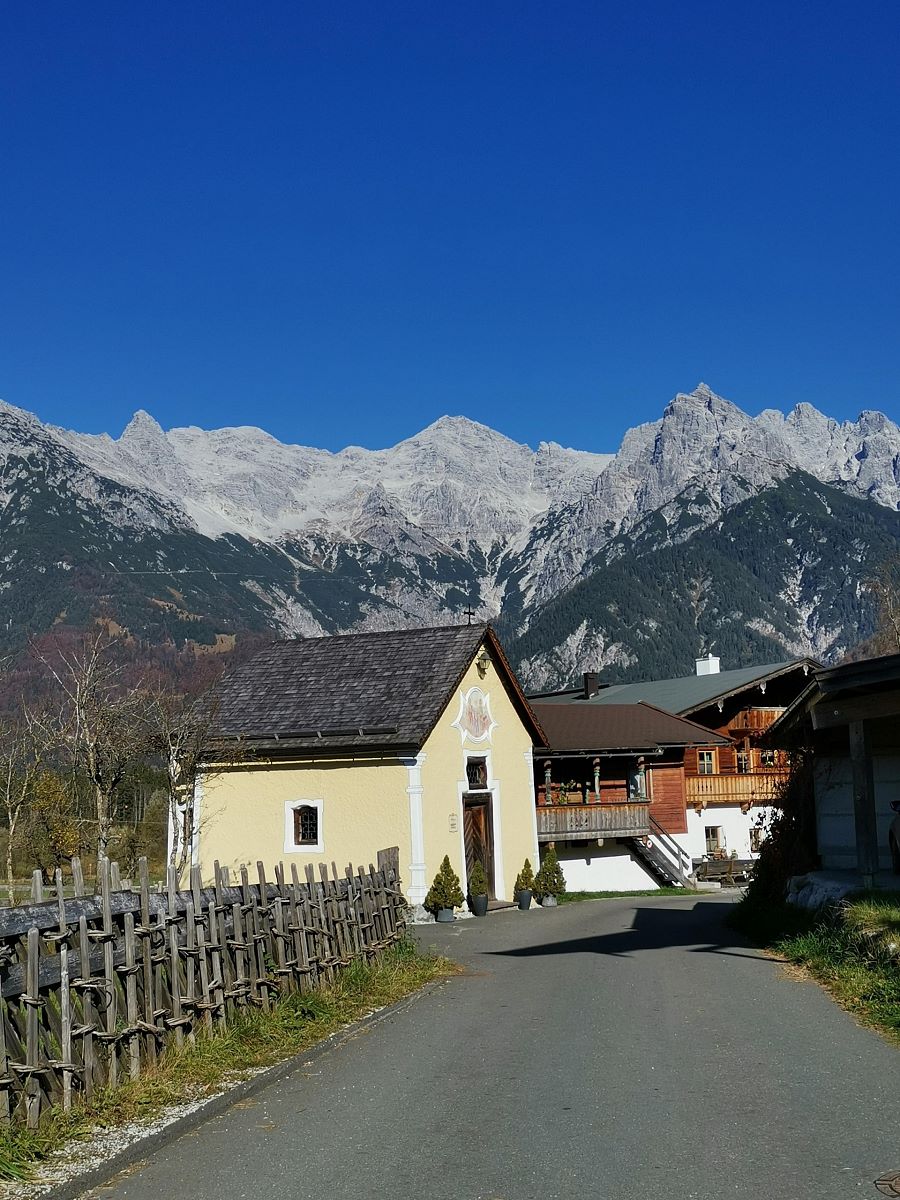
699	930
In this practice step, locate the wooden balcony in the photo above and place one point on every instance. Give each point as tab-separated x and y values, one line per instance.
584	822
757	787
754	720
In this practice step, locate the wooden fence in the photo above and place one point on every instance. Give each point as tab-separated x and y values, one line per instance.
95	988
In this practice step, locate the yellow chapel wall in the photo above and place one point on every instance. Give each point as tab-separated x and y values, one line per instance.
510	776
364	809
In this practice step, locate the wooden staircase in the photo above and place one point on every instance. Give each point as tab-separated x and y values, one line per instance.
668	863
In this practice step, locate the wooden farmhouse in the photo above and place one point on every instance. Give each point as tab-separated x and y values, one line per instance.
333	748
728	785
610	793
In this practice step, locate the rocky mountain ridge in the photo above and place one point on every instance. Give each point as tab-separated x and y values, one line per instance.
301	540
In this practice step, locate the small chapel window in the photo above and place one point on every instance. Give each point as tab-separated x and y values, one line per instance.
476	773
306	825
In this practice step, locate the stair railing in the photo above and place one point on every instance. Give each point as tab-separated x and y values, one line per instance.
680	860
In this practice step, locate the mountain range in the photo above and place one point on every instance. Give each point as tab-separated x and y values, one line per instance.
709	528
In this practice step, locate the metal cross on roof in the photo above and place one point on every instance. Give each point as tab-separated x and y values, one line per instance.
470	613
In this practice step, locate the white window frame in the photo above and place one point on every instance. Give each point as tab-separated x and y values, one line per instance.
290	846
493	789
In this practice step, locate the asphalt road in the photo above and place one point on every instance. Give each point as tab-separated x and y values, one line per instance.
626	1049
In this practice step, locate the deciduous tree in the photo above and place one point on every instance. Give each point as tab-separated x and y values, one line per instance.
180	730
97	725
21	762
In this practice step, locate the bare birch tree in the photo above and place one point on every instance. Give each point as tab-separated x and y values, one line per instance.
21	762
181	729
99	725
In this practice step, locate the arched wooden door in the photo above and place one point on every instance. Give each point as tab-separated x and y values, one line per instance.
478	834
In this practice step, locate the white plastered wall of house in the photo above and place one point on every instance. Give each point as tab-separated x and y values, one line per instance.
612	867
835	828
735	829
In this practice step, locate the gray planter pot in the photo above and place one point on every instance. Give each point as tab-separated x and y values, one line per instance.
548	902
444	914
524	899
478	905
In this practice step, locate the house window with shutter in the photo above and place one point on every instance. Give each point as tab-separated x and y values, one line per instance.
303	827
742	759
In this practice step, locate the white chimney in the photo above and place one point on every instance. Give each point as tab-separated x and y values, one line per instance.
708	665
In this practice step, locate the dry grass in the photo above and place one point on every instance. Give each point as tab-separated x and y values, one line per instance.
854	950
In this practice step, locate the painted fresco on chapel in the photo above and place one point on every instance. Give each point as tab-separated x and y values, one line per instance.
475	720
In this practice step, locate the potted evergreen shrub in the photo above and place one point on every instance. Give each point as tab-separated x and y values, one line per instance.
524	888
549	883
445	893
478	890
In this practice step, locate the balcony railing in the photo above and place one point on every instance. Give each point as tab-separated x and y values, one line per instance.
583	822
756	787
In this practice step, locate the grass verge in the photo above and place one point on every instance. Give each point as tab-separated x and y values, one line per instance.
573	897
254	1039
853	949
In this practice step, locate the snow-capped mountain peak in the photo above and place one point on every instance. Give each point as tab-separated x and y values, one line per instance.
453	515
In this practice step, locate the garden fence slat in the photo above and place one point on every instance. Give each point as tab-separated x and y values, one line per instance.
132	966
88	1009
66	1066
32	1002
177	1019
6	1081
105	936
298	930
189	954
262	923
147	934
222	959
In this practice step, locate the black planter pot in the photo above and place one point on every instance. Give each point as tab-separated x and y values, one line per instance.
444	914
524	899
478	905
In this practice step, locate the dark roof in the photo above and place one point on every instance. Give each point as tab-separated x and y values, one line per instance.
638	727
869	674
688	693
829	684
384	690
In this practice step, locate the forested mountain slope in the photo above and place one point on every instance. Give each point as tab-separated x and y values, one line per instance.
707	526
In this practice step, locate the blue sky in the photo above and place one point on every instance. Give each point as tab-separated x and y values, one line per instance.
341	220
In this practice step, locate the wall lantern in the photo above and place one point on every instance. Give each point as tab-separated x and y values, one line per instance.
482	662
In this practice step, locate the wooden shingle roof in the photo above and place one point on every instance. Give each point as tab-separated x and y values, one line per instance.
611	728
367	690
